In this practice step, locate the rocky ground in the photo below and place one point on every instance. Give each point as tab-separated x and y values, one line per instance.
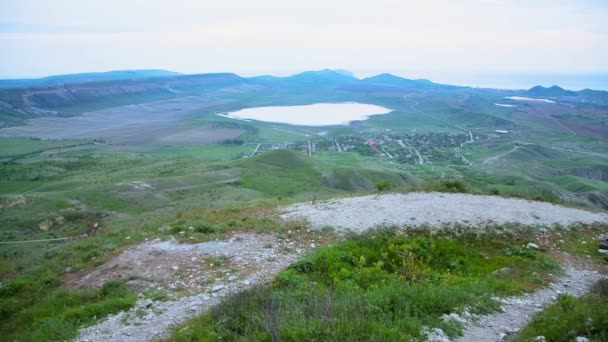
197	276
517	311
434	210
194	277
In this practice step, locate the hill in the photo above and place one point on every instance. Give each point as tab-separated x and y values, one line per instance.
86	78
17	104
400	82
553	91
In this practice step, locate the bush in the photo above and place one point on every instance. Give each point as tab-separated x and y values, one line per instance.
383	185
453	186
204	228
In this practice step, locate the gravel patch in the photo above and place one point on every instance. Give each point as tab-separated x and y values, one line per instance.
435	210
250	259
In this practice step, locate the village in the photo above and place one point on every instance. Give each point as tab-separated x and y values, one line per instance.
413	148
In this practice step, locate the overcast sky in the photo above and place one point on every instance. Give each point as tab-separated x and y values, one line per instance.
411	38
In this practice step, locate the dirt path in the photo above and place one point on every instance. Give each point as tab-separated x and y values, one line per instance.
434	210
491	159
517	311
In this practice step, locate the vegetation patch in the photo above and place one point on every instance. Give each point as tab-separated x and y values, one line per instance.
379	286
571	317
27	315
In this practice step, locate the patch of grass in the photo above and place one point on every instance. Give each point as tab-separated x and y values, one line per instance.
217	261
23	146
570	317
378	286
60	313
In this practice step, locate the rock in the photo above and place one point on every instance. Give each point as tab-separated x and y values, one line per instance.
217	288
437	335
68	269
175	268
581	339
232	278
453	317
206	298
246	282
540	339
164	229
501	272
603	241
45	225
603	251
144	304
59	220
532	245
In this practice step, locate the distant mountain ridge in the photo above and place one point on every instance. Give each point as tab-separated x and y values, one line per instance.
86	78
66	95
396	81
553	91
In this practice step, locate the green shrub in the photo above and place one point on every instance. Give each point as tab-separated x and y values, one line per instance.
383	185
204	228
453	186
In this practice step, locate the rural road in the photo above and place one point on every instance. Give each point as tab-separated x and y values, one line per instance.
499	156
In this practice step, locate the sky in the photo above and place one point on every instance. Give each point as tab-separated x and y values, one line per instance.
460	42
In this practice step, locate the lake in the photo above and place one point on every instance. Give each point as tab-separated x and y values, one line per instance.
318	114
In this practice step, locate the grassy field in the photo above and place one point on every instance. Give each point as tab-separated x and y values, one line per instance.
159	172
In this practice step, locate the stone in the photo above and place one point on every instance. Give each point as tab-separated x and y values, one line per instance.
501	272
217	288
540	339
603	251
603	241
164	229
437	335
175	268
45	225
144	304
532	245
581	339
68	269
246	282
232	278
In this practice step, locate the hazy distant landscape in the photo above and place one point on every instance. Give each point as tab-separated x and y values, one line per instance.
188	155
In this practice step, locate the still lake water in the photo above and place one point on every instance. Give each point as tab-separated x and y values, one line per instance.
318	114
